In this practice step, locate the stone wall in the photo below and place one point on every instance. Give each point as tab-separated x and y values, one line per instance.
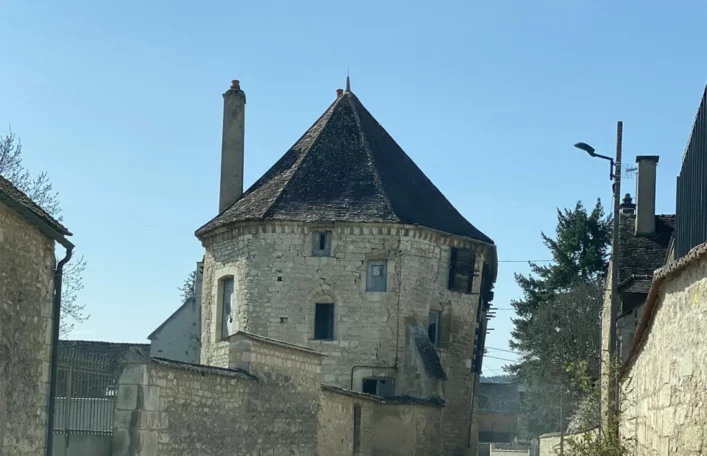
169	408
278	282
396	428
665	394
26	286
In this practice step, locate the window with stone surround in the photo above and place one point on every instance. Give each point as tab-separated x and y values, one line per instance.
322	244
225	305
377	276
324	321
461	270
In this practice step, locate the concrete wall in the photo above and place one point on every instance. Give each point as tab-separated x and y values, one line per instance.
550	443
494	450
278	282
82	445
26	286
665	390
178	337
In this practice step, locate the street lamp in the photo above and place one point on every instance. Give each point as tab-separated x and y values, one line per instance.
615	176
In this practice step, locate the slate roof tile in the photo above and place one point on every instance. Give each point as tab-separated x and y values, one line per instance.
346	167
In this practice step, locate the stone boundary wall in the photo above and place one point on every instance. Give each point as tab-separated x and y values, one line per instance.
395	427
664	382
169	408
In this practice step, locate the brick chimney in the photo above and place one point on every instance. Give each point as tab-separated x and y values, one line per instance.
232	146
645	195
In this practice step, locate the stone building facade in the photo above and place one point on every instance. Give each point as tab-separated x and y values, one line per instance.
27	269
345	247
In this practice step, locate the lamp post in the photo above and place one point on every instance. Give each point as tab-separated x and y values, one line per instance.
615	176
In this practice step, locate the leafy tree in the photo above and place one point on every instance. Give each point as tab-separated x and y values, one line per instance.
188	290
558	319
40	189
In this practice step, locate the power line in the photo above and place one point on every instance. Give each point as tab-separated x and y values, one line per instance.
502	359
525	261
503	350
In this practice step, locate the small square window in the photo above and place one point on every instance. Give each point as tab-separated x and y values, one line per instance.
461	270
377	276
324	322
433	327
322	244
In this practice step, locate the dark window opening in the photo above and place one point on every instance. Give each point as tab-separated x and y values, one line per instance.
322	244
461	270
357	429
324	322
384	387
377	276
433	327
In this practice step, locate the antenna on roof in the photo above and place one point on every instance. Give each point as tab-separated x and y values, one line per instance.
348	81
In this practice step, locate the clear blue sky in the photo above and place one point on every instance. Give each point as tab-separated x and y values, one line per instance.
121	103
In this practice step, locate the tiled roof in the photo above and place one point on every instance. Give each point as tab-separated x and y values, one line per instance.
110	352
640	256
498	398
19	198
346	167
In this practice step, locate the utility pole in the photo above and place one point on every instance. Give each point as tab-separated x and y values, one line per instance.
613	380
615	176
562	422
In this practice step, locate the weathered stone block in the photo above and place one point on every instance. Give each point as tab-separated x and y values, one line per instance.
127	397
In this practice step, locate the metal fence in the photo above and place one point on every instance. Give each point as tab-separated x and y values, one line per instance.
86	391
691	196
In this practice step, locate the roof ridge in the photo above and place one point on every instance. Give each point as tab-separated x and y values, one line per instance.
305	153
376	175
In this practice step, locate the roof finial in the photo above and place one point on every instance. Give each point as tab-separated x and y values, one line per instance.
348	81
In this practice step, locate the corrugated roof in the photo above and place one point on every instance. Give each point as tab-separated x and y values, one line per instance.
346	167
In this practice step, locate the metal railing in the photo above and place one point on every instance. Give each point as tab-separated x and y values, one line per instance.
691	197
86	392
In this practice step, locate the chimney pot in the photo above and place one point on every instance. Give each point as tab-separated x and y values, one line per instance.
236	84
627	206
339	92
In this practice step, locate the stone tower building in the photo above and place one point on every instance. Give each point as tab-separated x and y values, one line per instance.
344	246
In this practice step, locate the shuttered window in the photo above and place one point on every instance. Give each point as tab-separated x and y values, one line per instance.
461	270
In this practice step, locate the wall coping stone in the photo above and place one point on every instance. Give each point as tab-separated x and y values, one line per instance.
268	340
394	400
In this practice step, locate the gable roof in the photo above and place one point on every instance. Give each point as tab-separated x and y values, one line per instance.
346	167
23	204
640	256
185	306
498	398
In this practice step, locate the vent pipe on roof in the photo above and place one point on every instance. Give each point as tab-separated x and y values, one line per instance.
645	195
232	146
627	206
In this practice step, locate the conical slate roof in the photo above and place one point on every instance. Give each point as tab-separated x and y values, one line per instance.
347	168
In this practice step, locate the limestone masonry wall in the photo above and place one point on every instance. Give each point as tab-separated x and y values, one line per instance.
277	283
665	404
187	411
26	285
